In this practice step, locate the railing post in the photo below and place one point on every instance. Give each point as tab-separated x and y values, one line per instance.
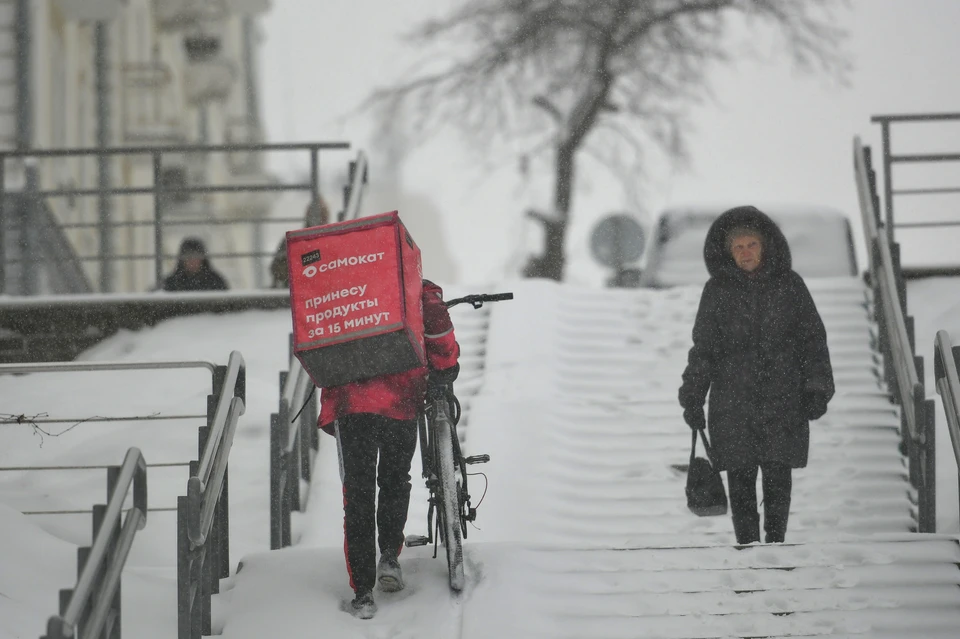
29	241
157	219
3	224
930	464
304	441
293	470
275	470
208	564
899	280
223	525
83	555
313	212
113	472
887	178
314	415
184	601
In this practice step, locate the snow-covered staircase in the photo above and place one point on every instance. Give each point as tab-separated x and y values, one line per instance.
585	531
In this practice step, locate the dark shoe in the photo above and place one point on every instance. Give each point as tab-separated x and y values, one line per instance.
363	606
388	573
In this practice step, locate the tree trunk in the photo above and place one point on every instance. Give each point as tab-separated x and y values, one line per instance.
550	263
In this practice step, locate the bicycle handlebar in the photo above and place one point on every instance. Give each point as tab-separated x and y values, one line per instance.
477	300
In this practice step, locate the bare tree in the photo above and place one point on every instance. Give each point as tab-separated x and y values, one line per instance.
555	72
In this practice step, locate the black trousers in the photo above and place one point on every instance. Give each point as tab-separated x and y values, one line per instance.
367	525
777	486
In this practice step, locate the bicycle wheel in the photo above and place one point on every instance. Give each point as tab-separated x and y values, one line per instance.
450	503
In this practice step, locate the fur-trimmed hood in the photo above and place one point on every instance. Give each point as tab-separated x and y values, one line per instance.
775	259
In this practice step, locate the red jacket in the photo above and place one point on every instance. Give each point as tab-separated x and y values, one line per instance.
401	395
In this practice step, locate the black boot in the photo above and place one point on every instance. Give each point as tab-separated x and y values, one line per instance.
743	504
777	486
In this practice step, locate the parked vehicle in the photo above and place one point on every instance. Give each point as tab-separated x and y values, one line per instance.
821	243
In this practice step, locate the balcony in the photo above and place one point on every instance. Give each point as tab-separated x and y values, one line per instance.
89	10
208	80
247	7
178	14
150	132
145	76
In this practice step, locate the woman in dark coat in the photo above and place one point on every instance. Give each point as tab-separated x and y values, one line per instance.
760	349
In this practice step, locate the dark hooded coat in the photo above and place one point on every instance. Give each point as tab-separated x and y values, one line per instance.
206	279
760	349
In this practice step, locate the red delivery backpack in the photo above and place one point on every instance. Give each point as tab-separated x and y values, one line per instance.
355	291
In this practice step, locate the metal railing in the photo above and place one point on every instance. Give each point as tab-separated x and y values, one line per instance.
353	189
165	194
294	442
203	540
92	607
902	368
946	361
891	194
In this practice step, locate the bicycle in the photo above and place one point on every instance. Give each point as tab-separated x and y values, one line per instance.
445	468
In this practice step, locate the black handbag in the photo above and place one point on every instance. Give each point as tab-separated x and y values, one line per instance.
706	496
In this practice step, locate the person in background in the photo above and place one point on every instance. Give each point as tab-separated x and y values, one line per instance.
316	214
379	416
760	349
193	272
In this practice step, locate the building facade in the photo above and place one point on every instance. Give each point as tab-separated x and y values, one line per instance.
133	73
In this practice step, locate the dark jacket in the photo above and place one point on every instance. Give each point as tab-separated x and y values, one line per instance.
206	279
760	348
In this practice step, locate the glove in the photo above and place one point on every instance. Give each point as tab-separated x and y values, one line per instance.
440	380
815	405
695	418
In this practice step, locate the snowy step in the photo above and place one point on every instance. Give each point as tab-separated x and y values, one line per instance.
860	587
613	531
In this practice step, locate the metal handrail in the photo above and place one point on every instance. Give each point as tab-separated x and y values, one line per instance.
908	380
203	488
173	148
945	360
902	368
358	178
133	471
67	367
868	211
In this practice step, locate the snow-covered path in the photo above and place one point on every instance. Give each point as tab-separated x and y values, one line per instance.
584	531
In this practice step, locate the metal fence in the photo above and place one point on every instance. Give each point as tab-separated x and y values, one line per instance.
39	421
902	368
166	189
92	607
294	442
892	194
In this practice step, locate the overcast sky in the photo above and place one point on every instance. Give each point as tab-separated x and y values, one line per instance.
773	135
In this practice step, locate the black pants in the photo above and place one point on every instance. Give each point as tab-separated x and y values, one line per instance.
359	438
777	485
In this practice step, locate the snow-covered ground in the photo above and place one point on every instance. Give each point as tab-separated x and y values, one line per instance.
570	429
